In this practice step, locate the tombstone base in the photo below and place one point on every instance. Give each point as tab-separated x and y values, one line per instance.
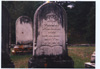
6	61
50	62
89	65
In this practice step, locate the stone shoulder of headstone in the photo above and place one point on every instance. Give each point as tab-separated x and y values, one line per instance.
93	57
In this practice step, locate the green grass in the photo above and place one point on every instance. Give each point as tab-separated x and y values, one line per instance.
80	55
21	61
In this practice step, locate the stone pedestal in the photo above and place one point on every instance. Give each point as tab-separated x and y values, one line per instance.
89	65
50	62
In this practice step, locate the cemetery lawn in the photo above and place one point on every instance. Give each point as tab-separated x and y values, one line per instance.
21	61
80	55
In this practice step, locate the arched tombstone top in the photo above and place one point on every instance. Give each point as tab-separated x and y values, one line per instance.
49	30
24	19
24	30
53	8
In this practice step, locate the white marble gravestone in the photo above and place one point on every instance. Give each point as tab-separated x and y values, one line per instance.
49	30
24	30
50	38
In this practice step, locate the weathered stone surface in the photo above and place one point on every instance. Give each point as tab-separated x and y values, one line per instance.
24	30
5	58
50	30
50	38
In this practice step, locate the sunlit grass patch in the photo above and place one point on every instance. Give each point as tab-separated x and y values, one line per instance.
20	61
80	55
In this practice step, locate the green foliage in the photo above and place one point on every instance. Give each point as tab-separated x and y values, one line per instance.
78	21
90	35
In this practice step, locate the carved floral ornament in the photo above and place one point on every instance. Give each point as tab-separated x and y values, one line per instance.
51	17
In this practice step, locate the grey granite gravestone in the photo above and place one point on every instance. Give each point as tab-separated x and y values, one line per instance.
24	37
50	38
5	58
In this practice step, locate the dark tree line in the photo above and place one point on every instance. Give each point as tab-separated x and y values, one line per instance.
80	16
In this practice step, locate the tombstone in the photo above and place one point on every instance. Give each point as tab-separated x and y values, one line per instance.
50	38
5	58
24	30
24	37
93	57
92	63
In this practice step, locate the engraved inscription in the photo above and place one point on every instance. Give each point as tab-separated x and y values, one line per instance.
51	31
51	40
